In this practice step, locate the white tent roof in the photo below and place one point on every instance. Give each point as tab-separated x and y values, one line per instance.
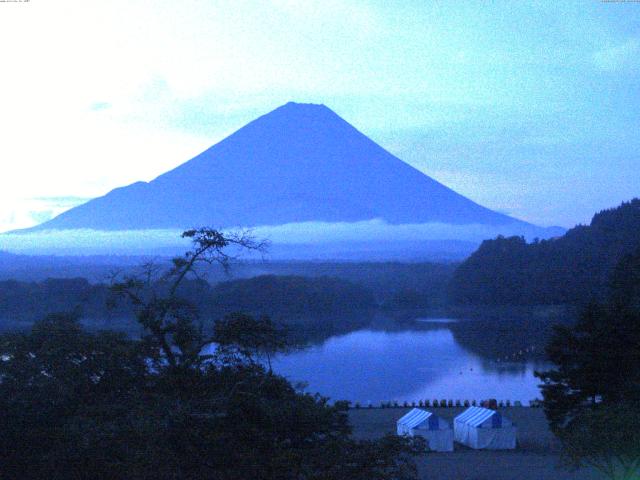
417	417
476	416
414	418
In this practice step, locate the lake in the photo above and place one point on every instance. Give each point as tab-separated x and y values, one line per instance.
370	365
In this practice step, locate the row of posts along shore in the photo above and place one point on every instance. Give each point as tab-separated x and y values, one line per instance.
443	403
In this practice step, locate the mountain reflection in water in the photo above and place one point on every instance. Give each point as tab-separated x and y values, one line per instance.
370	365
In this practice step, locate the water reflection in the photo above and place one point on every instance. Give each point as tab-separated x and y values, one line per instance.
370	365
511	339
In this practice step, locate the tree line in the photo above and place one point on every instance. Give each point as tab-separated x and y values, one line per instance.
290	299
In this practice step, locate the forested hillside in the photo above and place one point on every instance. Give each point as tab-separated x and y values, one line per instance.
290	296
574	268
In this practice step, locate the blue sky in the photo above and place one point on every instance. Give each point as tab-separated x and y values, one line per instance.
530	108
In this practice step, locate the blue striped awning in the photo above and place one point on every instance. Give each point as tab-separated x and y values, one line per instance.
414	418
423	420
476	416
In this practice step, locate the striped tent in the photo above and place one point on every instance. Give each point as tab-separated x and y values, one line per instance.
436	431
479	428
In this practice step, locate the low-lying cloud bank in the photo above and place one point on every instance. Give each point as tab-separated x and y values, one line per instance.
378	230
361	235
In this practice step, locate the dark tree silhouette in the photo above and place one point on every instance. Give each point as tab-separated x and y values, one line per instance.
244	338
80	405
172	322
591	398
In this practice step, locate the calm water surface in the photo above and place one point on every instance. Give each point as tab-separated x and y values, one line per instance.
373	366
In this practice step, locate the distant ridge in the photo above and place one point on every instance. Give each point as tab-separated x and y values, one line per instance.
298	163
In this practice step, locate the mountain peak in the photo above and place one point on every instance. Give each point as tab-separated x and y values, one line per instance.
297	112
293	104
304	106
298	163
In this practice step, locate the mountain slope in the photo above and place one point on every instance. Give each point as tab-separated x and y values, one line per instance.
300	162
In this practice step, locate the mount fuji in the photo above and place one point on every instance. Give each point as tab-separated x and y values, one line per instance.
300	164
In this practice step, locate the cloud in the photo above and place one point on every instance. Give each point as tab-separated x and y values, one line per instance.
378	230
66	201
97	106
42	216
373	232
625	56
27	212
